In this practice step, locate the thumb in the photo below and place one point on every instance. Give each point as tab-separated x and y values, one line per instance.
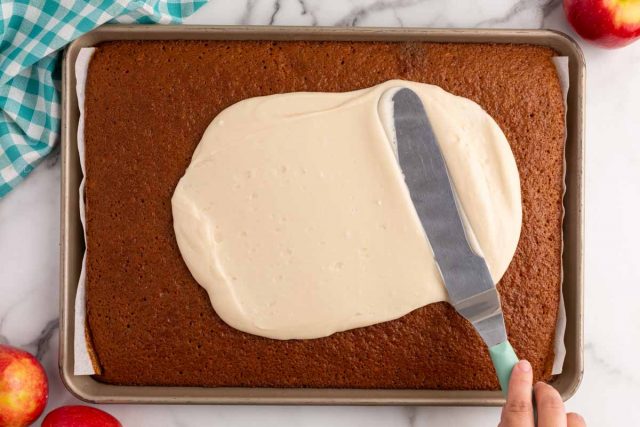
518	411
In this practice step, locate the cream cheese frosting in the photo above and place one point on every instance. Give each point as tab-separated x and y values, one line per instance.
295	217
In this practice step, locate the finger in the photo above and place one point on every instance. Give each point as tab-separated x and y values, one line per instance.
550	406
518	411
575	420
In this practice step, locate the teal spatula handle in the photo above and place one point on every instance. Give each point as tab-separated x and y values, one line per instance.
504	359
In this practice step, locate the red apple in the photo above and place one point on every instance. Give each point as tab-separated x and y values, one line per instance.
608	23
23	387
79	416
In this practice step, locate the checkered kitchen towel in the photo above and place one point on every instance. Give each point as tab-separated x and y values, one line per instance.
32	33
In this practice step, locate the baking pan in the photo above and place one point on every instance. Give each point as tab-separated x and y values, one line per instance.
72	241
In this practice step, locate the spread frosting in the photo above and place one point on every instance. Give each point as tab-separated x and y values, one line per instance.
295	217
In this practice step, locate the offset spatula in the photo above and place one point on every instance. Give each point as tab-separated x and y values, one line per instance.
465	273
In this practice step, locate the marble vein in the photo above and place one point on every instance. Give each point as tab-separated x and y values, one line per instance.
550	7
360	12
411	414
248	11
276	9
591	351
397	17
42	342
53	158
3	339
522	6
306	11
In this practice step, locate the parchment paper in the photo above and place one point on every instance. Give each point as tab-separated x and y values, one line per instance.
562	68
83	364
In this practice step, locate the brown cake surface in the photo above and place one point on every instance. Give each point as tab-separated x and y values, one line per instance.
147	105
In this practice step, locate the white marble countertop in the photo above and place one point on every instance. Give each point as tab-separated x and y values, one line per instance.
29	229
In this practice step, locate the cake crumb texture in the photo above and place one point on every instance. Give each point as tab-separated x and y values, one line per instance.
147	106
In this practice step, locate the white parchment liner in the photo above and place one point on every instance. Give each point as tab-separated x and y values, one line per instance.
83	364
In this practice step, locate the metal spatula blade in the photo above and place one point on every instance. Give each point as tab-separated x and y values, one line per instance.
465	273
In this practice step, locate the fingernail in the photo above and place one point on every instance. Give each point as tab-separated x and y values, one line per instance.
524	366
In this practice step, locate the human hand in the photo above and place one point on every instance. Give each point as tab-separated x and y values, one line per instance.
518	411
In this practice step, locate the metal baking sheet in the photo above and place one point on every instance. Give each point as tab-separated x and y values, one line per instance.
72	242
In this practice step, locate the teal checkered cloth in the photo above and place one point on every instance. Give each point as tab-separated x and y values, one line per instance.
32	33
